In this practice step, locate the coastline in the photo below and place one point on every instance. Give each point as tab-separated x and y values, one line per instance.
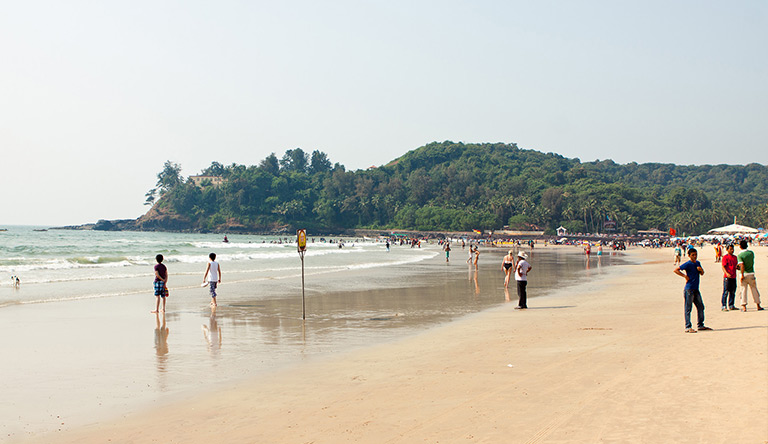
612	366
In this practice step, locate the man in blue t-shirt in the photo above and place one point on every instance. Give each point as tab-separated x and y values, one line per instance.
692	270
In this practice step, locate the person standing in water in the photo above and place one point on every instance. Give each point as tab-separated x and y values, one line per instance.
506	266
521	276
161	283
447	248
213	273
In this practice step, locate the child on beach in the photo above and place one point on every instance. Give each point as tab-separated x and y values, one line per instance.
161	283
447	249
693	271
213	273
678	253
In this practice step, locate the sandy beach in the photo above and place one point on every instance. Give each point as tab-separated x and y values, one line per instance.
611	366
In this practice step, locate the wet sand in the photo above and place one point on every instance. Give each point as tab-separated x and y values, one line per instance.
605	361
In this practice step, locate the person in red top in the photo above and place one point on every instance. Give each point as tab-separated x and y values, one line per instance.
729	279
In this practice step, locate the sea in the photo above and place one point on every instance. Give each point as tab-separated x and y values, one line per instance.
80	344
55	265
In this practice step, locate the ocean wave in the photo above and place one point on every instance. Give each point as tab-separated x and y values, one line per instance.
232	245
26	264
319	269
261	245
69	264
99	260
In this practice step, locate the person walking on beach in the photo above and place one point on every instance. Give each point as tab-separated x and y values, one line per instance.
506	266
728	264
477	255
693	271
678	253
521	276
447	248
213	273
471	254
161	283
746	264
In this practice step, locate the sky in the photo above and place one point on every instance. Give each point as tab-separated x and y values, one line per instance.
96	95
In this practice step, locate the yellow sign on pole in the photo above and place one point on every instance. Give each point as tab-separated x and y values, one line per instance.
301	236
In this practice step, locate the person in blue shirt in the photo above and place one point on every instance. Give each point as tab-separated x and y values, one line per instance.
693	271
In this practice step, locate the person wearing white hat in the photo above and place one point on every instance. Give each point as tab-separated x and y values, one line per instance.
521	276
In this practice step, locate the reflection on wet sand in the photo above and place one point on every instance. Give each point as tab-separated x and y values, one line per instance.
270	329
161	348
473	278
212	334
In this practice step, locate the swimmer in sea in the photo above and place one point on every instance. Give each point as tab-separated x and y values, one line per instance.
507	265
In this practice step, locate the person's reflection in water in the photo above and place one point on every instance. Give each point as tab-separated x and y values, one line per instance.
161	347
212	334
506	294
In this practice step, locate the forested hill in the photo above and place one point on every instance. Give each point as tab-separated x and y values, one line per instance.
457	186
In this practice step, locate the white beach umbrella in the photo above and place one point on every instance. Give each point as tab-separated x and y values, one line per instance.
733	229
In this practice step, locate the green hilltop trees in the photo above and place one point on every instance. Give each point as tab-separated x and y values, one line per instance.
460	187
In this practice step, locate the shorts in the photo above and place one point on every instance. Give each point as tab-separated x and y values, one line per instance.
212	287
160	289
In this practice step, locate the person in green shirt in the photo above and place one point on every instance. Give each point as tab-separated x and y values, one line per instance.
746	266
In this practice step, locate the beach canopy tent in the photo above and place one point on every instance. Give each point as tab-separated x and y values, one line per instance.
733	229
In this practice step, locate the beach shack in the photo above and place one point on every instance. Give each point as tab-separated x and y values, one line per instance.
561	231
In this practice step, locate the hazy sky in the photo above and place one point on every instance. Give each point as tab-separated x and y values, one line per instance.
96	95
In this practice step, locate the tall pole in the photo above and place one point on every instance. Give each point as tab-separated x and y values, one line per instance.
301	244
303	300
